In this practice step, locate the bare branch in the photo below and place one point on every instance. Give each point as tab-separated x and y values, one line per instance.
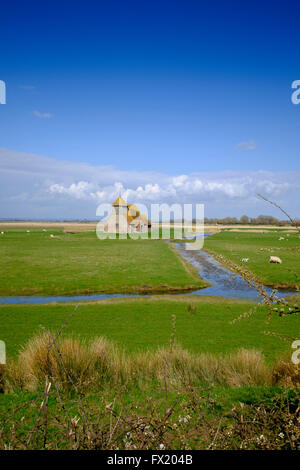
293	222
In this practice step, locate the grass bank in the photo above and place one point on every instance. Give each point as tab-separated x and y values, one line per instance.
258	247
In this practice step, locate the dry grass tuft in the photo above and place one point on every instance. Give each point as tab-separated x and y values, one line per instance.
246	367
286	374
73	363
77	364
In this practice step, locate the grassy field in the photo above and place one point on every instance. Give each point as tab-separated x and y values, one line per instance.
258	247
137	381
140	324
35	264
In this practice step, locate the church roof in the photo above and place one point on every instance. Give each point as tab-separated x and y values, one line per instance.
133	214
120	202
133	210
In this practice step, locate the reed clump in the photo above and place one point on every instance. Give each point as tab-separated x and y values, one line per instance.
74	363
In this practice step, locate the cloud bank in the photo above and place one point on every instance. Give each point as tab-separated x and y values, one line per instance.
33	186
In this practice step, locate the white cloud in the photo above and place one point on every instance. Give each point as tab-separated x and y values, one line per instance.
179	181
249	146
42	115
42	187
80	190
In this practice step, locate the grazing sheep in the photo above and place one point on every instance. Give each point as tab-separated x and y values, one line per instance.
51	236
2	233
281	238
275	259
28	231
245	260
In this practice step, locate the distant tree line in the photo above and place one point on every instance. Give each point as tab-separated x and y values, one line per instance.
245	220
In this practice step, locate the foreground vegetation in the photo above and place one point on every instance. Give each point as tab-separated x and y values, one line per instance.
68	264
258	247
248	418
90	395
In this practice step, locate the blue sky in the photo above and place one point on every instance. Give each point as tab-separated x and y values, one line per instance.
153	90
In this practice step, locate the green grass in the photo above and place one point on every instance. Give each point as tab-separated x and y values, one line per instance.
35	264
140	324
227	396
258	247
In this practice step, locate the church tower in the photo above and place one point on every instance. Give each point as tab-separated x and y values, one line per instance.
120	208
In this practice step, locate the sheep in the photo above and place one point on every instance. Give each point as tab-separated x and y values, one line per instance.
275	259
2	233
28	231
51	235
281	238
245	260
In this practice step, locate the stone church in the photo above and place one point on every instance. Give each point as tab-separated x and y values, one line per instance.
126	218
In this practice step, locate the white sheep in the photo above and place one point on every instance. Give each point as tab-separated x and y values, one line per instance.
281	238
51	235
2	233
275	259
28	231
245	260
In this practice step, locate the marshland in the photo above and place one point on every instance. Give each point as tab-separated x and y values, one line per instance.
156	348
